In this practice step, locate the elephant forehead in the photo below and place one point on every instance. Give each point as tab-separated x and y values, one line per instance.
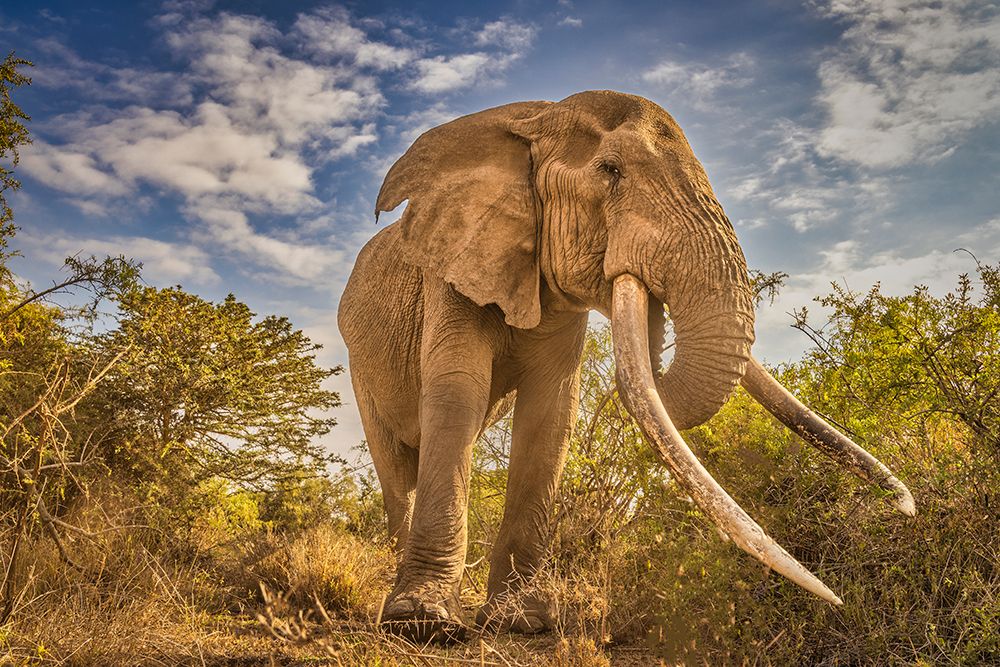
650	144
659	134
613	109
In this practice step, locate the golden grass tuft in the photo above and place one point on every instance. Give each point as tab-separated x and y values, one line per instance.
578	652
121	608
347	575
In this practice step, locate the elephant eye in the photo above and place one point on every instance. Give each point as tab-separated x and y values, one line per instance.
611	169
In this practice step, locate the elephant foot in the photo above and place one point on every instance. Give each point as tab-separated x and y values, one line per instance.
422	622
526	614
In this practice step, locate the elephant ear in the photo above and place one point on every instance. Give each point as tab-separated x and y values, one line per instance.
471	214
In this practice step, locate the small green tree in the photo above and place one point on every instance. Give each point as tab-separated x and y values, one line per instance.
13	135
301	501
205	391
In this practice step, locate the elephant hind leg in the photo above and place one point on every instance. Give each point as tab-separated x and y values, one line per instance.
543	418
396	466
544	412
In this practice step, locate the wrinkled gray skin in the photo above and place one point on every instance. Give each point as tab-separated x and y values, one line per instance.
518	220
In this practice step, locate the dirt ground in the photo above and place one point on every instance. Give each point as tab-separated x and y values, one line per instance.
251	642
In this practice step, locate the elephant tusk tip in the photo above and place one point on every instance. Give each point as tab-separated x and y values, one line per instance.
630	333
904	503
820	590
810	583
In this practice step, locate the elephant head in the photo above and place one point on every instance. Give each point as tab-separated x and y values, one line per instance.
598	202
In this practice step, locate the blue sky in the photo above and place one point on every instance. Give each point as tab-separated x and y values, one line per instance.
238	147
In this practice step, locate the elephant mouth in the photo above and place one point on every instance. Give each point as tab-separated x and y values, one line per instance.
656	321
638	325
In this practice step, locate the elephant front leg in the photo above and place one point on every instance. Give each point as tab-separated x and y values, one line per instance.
543	419
456	381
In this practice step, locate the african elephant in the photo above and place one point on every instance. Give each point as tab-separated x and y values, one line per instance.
521	219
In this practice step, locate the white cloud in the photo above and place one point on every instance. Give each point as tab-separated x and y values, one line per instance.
69	170
510	35
245	141
163	263
203	153
751	223
700	83
906	82
90	207
293	261
237	58
441	74
48	15
571	22
328	33
418	122
791	183
909	79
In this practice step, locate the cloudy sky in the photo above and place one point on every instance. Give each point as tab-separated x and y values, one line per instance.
238	146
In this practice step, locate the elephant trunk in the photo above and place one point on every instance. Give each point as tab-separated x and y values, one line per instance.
712	347
707	291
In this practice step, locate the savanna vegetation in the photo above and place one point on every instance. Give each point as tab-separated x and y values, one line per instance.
164	499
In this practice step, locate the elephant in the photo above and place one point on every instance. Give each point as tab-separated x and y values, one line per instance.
520	220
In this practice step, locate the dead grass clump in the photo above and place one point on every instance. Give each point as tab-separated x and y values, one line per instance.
347	575
578	652
145	590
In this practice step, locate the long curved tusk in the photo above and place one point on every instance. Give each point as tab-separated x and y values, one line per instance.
631	342
813	429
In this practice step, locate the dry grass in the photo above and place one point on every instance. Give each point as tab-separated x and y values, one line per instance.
122	607
654	586
260	600
661	589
